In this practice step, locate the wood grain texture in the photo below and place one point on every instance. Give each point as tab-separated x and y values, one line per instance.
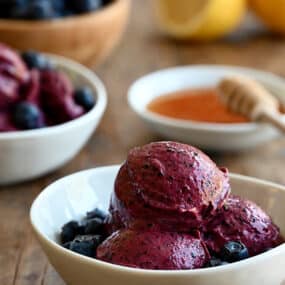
142	50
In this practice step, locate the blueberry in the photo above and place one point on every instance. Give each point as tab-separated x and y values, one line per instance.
36	60
214	261
18	9
86	244
41	10
67	13
96	213
93	226
107	2
67	245
69	231
17	3
27	116
84	6
59	5
19	13
234	251
85	98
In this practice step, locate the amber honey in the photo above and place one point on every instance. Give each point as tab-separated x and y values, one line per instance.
203	105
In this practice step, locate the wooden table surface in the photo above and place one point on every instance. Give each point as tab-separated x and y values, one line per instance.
142	50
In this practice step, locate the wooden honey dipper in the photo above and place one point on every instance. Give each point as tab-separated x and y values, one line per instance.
250	99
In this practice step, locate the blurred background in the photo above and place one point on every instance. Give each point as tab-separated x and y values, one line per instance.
88	30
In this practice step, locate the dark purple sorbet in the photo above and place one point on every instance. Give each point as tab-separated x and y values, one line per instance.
171	208
32	81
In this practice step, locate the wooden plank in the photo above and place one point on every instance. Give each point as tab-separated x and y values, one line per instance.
32	264
52	278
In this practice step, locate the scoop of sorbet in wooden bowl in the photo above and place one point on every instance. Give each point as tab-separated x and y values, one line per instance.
88	38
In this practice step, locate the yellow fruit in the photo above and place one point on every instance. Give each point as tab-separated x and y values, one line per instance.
271	12
200	19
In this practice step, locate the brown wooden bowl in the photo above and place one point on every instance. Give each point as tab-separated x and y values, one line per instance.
87	38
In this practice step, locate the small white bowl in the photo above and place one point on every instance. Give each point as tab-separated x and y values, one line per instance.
219	137
25	155
71	197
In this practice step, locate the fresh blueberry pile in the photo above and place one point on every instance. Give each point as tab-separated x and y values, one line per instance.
232	251
47	9
85	237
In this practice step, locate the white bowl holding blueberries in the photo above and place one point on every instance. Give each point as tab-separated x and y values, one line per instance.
49	108
236	242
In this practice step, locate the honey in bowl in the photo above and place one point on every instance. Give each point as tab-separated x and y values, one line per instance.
202	105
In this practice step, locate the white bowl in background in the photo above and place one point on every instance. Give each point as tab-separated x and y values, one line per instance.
25	155
71	197
212	136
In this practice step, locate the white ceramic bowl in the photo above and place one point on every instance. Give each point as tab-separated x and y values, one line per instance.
29	154
71	197
220	137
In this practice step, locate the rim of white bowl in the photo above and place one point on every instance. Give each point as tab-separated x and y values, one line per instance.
130	270
275	81
96	111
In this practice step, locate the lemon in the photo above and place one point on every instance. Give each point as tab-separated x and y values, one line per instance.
200	19
271	12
